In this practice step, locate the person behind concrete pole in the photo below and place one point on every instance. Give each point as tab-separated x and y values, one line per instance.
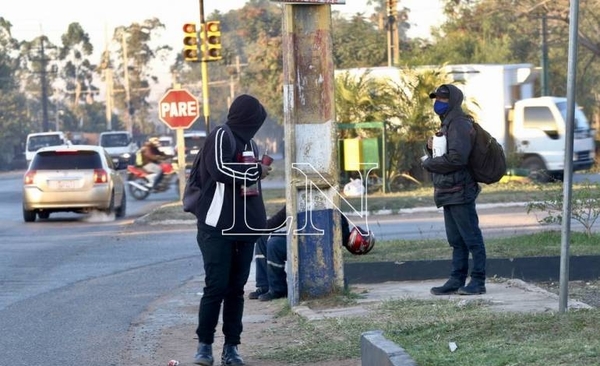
151	157
228	216
271	255
456	191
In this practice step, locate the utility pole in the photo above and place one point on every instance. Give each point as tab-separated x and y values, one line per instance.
234	76
545	66
392	27
129	117
45	123
314	254
108	76
204	67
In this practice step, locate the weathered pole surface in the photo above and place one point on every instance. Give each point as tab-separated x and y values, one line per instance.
314	265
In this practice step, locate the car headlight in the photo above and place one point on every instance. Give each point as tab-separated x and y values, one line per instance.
126	155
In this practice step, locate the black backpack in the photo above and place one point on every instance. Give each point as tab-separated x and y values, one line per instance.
487	161
193	191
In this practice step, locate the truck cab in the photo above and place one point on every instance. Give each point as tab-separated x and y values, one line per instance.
532	129
36	141
120	146
539	126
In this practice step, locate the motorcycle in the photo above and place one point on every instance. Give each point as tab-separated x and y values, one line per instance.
138	180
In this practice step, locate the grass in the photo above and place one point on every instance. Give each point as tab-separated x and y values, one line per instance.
425	328
545	243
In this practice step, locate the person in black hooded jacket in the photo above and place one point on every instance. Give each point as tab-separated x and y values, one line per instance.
456	191
228	223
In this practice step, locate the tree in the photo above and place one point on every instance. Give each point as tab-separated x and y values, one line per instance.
402	102
75	76
511	32
13	103
358	43
130	57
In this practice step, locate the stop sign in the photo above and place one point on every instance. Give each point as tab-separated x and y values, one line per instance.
178	108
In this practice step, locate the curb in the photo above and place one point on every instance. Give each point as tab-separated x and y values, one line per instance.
375	349
414	210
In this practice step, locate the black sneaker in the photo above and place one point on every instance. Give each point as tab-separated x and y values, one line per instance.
448	288
473	288
255	294
204	355
230	355
271	296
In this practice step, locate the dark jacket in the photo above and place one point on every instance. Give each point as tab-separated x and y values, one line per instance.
452	182
222	174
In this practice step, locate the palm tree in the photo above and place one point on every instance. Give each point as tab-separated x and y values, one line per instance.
401	100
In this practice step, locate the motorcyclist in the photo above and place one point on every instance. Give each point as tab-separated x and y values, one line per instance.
151	157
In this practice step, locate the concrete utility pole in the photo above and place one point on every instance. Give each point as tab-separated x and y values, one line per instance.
393	35
315	267
45	123
129	116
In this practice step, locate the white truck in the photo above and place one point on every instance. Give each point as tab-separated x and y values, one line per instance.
534	129
119	145
501	97
37	140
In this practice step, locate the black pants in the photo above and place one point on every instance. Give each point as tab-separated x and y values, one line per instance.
226	267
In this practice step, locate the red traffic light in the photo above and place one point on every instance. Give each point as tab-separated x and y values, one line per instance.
189	28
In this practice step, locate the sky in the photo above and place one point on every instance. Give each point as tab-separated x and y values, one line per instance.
31	18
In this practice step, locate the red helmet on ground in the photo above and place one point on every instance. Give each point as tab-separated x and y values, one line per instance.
360	241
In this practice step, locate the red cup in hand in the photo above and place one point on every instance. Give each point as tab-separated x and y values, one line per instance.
266	160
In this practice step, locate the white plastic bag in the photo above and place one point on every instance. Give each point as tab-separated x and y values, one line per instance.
354	188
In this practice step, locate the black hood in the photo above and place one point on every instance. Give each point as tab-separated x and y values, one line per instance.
455	98
246	116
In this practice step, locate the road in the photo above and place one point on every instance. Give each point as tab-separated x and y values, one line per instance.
72	286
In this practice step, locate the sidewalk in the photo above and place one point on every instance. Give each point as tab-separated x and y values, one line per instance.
167	330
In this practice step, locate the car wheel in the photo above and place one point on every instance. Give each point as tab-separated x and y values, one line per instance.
28	216
537	169
138	194
120	212
111	206
44	214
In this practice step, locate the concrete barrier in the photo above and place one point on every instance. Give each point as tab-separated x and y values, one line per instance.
376	350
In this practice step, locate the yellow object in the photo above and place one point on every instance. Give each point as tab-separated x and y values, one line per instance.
352	154
190	42
211	45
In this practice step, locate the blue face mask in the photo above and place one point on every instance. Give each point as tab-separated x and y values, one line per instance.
440	108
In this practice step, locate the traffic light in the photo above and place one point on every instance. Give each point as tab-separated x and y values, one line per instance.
190	42
211	45
392	8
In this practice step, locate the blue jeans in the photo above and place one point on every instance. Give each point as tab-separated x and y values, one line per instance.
260	260
270	258
464	236
226	268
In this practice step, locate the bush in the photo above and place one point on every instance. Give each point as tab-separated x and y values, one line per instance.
585	204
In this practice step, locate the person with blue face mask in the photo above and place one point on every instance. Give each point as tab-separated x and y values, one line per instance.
456	191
